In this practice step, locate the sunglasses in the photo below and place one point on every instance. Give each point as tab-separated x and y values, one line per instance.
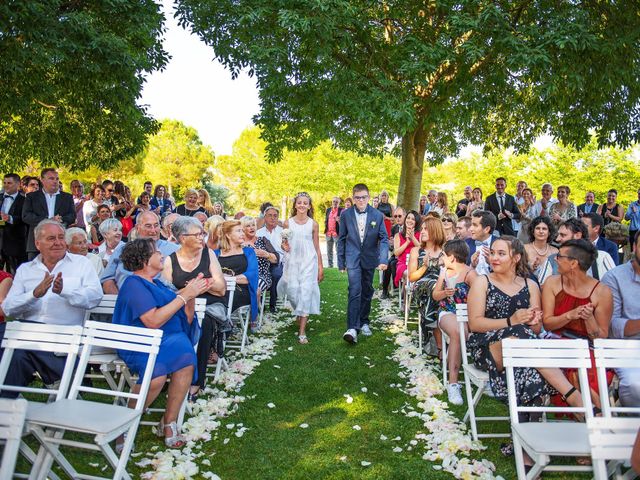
397	216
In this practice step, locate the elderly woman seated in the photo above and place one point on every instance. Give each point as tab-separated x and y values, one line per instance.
78	244
145	302
111	231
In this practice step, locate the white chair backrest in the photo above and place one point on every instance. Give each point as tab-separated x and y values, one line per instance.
117	337
12	415
614	353
201	308
106	306
538	353
462	316
611	439
231	288
41	337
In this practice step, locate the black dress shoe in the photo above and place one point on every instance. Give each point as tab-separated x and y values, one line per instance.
272	309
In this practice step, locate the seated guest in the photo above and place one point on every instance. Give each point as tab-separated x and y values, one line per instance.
624	282
442	204
218	209
449	223
201	217
56	287
422	205
159	204
239	262
406	239
6	281
77	243
541	233
461	208
576	305
115	273
452	288
190	205
104	212
193	260
390	272
483	223
90	207
111	231
145	301
212	227
462	228
595	227
204	200
167	222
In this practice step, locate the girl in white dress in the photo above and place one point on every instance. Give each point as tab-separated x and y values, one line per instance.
302	263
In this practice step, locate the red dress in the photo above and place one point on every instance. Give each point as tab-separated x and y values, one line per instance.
401	266
4	275
573	329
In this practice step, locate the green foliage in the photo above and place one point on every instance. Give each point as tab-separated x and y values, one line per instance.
70	79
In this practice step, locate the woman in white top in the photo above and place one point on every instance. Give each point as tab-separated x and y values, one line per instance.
90	207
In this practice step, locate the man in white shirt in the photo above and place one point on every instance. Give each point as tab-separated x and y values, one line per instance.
273	232
541	208
56	287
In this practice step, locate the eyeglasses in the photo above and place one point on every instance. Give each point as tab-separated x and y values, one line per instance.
109	190
397	216
199	234
565	256
360	197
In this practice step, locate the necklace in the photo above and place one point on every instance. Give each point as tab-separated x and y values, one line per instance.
540	254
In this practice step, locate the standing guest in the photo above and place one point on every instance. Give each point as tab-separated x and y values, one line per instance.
363	245
109	199
526	214
302	264
204	200
266	254
147	187
121	204
170	199
375	202
404	241
432	198
148	226
462	228
348	203
77	243
476	202
595	227
190	262
103	213
425	262
30	184
190	205
212	227
167	222
77	190
563	209
577	306
461	207
423	204
218	209
541	233
146	302
6	281
57	288
49	202
589	205
13	230
159	204
611	211
519	198
332	227
390	272
111	231
260	219
442	204
273	232
452	288
143	205
384	206
504	207
241	263
90	207
483	223
624	282
633	215
239	215
449	223
541	208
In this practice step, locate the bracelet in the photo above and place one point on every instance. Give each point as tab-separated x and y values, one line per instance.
508	319
181	298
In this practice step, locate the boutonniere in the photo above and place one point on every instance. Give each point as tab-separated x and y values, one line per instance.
373	224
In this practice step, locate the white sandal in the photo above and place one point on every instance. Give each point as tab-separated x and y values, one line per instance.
176	440
302	339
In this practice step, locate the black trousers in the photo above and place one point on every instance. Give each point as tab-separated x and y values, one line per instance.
389	273
276	274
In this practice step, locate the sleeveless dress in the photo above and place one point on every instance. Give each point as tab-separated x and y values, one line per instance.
576	328
448	304
530	385
423	287
264	265
401	266
299	280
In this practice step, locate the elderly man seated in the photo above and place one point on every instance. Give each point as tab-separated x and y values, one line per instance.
56	287
624	282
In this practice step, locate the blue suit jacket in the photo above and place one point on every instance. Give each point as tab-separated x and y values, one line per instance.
609	247
373	251
471	243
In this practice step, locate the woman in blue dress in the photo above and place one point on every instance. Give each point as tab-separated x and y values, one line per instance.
145	302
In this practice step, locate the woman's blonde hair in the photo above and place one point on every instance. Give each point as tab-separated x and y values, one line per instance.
443	200
208	206
435	230
212	227
247	220
190	191
225	230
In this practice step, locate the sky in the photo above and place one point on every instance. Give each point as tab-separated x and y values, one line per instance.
197	90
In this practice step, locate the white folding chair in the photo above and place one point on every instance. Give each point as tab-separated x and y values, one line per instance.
543	440
243	315
40	337
611	439
474	377
105	422
612	354
12	416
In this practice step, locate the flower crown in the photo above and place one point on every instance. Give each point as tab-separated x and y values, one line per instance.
303	194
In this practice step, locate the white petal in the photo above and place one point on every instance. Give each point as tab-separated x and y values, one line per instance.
271	405
304	425
364	463
357	427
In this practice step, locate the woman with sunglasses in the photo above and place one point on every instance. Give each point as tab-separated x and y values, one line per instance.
449	221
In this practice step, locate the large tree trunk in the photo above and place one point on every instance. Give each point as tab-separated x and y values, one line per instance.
413	151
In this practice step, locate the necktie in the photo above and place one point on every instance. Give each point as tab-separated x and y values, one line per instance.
501	202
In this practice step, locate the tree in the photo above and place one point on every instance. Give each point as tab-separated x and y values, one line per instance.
436	75
70	78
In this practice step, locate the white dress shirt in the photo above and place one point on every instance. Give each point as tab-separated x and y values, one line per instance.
537	208
7	202
50	198
274	236
81	290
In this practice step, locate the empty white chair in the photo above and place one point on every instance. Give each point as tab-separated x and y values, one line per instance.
105	422
612	354
12	415
543	440
474	377
611	439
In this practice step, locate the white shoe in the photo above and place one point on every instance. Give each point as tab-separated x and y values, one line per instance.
365	330
351	336
453	392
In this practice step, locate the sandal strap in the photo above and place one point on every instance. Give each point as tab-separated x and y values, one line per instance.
176	440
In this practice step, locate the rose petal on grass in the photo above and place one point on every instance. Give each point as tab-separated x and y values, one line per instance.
304	425
364	463
357	427
271	405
